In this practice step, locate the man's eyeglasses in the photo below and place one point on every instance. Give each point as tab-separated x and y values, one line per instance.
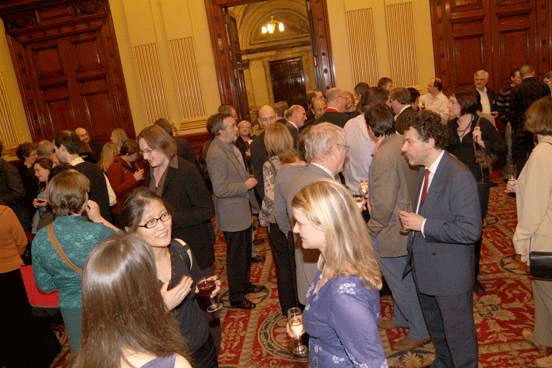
150	224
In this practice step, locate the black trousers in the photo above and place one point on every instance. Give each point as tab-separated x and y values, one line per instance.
205	356
483	189
450	323
283	253
238	262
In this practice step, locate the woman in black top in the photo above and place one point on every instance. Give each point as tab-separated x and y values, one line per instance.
467	133
146	215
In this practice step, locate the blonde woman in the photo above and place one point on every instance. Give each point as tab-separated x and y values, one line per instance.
109	152
342	308
118	137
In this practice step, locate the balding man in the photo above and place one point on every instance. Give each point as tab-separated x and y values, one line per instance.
523	96
435	100
89	151
325	152
486	96
295	120
335	112
266	115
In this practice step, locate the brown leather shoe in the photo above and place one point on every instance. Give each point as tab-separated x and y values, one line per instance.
406	343
387	324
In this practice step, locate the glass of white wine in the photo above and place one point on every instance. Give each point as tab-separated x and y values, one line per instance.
295	320
363	187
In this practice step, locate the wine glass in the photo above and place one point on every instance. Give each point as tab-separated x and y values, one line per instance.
407	207
363	187
295	320
206	287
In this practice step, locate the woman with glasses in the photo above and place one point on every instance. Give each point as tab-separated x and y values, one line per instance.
180	184
146	215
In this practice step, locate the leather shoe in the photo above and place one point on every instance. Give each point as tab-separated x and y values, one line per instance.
258	259
406	343
478	288
387	324
255	289
243	304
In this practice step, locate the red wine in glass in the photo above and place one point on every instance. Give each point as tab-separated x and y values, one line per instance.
205	288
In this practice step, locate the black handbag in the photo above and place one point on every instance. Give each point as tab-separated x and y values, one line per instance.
540	265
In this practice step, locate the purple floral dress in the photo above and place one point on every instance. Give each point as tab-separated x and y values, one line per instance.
342	321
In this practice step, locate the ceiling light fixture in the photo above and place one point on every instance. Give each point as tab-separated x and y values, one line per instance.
271	26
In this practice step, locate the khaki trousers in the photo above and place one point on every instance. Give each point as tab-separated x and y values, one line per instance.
542	295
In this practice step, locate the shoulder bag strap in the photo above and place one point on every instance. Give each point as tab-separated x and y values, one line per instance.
187	249
59	251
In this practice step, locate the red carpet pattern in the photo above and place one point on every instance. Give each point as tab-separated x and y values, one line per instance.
258	338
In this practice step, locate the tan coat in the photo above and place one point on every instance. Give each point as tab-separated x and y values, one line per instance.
392	187
534	201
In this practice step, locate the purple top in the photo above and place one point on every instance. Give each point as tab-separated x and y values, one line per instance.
342	321
161	362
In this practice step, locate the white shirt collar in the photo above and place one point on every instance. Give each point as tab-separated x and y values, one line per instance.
400	112
77	160
292	123
433	167
323	168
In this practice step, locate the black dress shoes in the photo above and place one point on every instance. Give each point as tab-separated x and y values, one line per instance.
258	259
252	288
243	304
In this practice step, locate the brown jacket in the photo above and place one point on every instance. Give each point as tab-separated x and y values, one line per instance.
392	187
12	240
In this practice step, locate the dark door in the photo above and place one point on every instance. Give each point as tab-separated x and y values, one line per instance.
495	35
288	81
68	69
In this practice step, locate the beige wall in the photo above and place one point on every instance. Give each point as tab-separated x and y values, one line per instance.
169	70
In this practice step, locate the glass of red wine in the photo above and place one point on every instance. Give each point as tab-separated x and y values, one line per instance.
205	288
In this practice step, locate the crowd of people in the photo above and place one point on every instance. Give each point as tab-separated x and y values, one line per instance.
379	186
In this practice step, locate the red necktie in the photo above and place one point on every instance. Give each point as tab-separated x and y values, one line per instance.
424	189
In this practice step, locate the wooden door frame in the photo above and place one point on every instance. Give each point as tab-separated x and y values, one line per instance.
229	90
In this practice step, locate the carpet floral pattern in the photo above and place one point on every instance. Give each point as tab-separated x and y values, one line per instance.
258	338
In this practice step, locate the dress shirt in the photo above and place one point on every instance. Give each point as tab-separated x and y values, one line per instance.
432	168
485	103
326	170
110	191
359	157
438	104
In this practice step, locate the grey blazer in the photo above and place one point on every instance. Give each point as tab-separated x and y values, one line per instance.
443	260
392	187
233	201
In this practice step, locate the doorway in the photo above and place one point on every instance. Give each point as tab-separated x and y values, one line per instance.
288	81
234	61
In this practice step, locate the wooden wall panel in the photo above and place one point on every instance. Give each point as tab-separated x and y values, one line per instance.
187	78
151	81
401	43
362	45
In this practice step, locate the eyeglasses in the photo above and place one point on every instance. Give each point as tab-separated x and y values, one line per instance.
150	224
344	147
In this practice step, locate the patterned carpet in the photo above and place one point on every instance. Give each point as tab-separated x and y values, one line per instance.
258	338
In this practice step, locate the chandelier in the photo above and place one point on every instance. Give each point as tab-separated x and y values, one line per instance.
271	26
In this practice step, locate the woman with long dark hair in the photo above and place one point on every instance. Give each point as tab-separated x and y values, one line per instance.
125	321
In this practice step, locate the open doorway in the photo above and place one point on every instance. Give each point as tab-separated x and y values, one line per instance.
249	62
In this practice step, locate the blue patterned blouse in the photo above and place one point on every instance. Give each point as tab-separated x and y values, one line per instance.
342	321
77	237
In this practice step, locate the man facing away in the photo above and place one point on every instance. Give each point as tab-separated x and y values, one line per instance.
336	106
399	101
443	229
392	186
234	201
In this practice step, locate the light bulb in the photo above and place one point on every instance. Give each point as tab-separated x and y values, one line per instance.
270	27
263	30
281	27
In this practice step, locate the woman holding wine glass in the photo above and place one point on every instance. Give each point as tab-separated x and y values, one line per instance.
146	215
342	309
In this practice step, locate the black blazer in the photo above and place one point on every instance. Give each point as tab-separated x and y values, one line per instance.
185	191
98	188
401	122
337	118
492	98
12	192
258	157
523	96
184	150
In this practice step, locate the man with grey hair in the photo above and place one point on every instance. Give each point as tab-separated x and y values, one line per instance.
325	152
335	112
486	96
295	120
234	201
266	115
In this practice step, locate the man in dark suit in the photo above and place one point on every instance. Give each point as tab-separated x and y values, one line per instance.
399	101
295	120
443	230
336	106
12	191
485	95
266	115
89	151
234	202
183	148
523	96
67	150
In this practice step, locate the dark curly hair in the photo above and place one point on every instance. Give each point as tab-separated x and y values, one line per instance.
428	125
